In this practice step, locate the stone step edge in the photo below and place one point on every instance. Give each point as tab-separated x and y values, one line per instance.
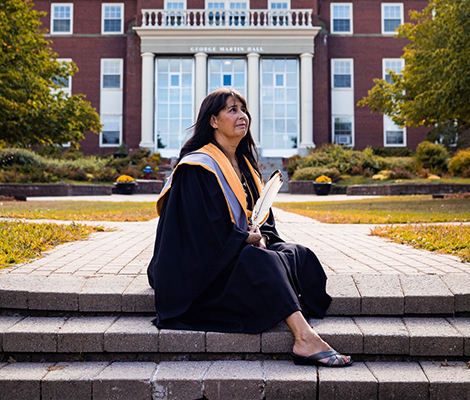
263	380
419	336
351	294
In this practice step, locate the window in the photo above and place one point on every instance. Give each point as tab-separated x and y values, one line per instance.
341	18
392	64
112	18
174	15
392	17
393	134
280	14
111	75
64	83
342	130
111	134
279	113
61	18
223	13
342	73
111	101
174	103
230	72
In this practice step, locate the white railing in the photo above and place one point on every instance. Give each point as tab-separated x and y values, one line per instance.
217	19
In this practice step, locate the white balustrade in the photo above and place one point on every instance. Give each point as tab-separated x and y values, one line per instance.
236	19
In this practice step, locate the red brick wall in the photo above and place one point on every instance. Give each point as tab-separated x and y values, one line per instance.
367	52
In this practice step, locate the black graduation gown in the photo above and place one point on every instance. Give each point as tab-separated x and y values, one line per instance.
206	277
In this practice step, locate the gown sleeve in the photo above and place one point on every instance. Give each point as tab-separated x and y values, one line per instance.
196	240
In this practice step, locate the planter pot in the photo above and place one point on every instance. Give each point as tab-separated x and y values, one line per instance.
322	189
125	187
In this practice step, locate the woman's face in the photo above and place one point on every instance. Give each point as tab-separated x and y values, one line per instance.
231	125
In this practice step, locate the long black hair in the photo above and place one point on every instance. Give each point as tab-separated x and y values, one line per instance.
203	132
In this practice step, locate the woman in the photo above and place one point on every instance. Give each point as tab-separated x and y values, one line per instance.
212	272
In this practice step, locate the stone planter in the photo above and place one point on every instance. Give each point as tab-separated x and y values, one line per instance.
125	187
322	188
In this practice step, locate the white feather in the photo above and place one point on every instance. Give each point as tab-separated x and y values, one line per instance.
266	199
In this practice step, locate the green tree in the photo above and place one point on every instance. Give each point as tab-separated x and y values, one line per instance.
434	87
33	108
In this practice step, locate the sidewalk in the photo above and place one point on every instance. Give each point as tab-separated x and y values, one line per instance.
342	249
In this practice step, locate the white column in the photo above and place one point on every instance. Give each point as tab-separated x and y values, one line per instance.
148	100
306	103
200	86
253	99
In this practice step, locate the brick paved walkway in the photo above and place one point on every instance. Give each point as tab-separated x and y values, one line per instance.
342	249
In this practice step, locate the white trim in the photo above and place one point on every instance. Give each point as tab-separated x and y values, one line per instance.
121	64
383	5
352	144
351	29
385	134
103	5
120	132
385	60
351	63
53	5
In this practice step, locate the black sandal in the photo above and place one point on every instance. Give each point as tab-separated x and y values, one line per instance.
314	359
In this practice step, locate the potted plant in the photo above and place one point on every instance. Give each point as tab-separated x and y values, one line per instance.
125	184
322	185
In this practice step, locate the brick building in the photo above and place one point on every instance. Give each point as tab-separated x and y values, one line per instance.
303	65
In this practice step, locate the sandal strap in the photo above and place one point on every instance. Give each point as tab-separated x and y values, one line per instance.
323	354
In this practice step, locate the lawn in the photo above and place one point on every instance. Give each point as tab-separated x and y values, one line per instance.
384	210
448	239
79	210
22	241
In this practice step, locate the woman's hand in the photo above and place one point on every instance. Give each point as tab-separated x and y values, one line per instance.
255	238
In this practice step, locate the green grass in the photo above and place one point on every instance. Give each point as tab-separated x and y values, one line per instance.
22	241
448	239
361	180
384	210
79	210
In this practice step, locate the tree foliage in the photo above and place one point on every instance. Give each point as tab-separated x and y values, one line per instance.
33	108
434	87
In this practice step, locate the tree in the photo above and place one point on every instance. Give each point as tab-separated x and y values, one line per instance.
434	87
33	108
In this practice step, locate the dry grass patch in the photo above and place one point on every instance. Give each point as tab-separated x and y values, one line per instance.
448	239
22	241
80	210
384	210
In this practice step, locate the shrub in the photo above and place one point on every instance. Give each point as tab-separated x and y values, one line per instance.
393	151
11	156
401	173
433	156
341	158
408	163
460	162
312	173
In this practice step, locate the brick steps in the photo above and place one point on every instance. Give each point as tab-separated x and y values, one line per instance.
108	337
263	380
361	294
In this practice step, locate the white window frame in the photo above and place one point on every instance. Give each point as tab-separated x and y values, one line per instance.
383	17
351	66
175	1
53	5
352	129
387	123
120	132
332	6
68	88
103	7
121	69
270	2
384	65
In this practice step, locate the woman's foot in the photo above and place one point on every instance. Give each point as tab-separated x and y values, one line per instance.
308	347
